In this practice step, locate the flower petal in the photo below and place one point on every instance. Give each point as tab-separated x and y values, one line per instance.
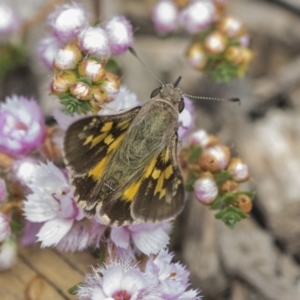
120	236
112	279
53	231
151	238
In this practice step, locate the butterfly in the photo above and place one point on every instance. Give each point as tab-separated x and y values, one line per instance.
124	167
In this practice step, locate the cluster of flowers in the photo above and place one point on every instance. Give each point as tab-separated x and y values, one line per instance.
37	205
215	177
220	43
78	53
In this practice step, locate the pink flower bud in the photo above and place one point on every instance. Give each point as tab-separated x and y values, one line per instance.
81	91
215	43
62	82
231	27
68	57
111	85
197	57
198	16
92	69
94	41
238	169
67	21
206	189
215	158
165	16
120	35
9	19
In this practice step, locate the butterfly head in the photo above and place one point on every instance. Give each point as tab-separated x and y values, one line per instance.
170	93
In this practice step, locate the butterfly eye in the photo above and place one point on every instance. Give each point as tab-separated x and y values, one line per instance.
155	92
181	105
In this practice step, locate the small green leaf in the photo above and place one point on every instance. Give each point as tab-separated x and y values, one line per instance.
195	152
73	290
112	66
231	215
189	186
222	176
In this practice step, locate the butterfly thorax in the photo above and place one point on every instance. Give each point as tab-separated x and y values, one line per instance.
170	94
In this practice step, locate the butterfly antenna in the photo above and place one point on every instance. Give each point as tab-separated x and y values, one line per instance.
132	51
215	99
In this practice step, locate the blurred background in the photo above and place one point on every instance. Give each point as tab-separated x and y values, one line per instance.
260	257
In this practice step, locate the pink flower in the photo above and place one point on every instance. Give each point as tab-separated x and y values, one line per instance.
120	35
165	16
22	126
171	279
47	50
116	280
186	118
9	19
52	203
198	16
67	21
146	237
94	41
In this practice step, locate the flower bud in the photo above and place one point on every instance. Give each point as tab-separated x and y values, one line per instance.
206	189
111	85
238	169
215	158
215	43
92	69
197	58
231	27
99	95
234	54
202	139
244	203
229	186
68	57
81	91
247	55
197	16
120	35
165	16
94	41
62	82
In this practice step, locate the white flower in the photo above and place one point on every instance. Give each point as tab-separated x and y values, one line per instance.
146	237
67	21
94	41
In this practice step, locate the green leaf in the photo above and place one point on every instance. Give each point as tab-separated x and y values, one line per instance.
73	289
86	80
195	152
189	186
73	105
222	176
112	66
16	225
231	215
